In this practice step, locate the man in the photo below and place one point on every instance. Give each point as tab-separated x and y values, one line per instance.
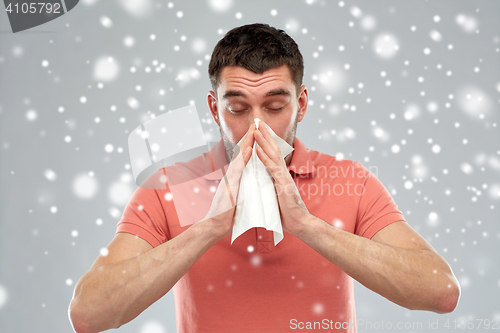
353	229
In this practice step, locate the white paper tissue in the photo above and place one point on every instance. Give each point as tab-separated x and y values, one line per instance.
257	200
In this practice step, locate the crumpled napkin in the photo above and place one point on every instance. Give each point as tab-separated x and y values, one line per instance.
257	199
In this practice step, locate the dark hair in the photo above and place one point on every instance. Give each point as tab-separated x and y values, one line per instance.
256	47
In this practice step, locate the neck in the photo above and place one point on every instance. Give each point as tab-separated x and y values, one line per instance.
288	159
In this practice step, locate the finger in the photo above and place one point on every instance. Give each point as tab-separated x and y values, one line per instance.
236	168
267	135
247	141
273	153
278	171
246	155
227	190
268	162
237	165
250	137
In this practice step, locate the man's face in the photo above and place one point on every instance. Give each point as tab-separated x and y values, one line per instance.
243	95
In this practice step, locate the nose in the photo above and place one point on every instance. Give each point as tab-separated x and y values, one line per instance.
256	113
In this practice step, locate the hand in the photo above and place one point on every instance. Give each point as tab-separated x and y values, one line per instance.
220	216
294	214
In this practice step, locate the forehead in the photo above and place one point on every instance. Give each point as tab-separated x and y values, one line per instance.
233	77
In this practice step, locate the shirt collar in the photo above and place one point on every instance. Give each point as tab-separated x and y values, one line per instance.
301	163
215	160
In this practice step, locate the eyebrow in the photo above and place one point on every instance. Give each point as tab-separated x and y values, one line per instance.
275	92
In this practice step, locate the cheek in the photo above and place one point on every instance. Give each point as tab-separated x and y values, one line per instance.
231	130
282	127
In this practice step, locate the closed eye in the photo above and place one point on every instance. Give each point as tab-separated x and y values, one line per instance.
236	111
269	109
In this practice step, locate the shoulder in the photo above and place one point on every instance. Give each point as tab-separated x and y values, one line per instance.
338	167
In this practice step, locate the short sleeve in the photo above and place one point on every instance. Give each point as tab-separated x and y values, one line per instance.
376	208
144	216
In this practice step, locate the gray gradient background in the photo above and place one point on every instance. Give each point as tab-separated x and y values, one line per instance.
40	257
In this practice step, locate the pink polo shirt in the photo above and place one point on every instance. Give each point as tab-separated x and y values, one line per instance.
252	285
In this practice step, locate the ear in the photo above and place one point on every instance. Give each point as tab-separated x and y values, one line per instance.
212	105
303	102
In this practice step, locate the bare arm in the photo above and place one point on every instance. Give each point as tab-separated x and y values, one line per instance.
121	285
397	263
134	275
